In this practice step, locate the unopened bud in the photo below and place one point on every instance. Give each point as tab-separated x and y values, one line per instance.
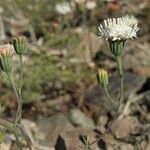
20	45
102	77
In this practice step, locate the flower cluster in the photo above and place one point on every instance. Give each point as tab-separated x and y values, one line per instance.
19	46
119	28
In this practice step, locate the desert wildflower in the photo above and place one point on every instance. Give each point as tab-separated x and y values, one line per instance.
118	28
6	51
117	31
102	77
90	5
20	45
79	1
63	8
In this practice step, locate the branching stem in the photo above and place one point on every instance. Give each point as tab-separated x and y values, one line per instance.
109	98
119	64
18	93
10	126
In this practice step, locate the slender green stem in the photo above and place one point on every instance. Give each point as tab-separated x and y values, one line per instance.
119	64
18	113
21	73
108	96
118	60
21	84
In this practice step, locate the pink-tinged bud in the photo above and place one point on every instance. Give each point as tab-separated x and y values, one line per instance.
6	51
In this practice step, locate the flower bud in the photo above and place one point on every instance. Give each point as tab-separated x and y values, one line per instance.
117	47
102	77
6	51
20	45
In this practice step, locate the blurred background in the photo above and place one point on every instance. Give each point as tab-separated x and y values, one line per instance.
60	91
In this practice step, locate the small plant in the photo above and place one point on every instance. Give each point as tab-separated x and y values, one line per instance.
116	31
6	64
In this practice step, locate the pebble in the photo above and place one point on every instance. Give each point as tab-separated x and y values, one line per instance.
78	118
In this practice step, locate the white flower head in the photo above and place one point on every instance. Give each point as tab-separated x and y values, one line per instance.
79	1
90	5
119	28
63	8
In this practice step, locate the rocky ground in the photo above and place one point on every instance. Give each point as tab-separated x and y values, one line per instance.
73	113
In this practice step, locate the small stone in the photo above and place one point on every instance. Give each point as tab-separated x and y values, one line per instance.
5	146
143	144
114	144
102	120
126	147
140	63
110	148
78	118
52	127
122	128
45	131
